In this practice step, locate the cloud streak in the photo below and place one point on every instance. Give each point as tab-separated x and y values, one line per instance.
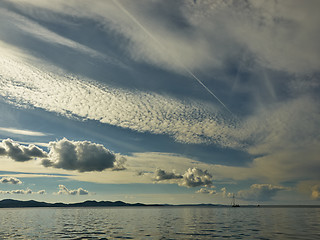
23	132
22	192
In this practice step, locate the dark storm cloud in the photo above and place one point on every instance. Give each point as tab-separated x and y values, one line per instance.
19	152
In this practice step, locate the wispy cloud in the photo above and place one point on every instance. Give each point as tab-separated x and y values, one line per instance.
23	132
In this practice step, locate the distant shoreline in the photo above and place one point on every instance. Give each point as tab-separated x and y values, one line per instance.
10	203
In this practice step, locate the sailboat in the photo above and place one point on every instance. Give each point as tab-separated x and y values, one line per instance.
233	202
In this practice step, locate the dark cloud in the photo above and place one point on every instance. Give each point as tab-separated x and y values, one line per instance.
19	152
193	177
260	192
161	175
11	180
64	190
2	151
83	156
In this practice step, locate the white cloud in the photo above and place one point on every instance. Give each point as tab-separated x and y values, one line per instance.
64	190
11	180
83	156
22	192
206	191
195	177
187	121
23	132
260	192
34	29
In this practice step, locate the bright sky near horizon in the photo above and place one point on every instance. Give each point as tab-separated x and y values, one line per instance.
160	101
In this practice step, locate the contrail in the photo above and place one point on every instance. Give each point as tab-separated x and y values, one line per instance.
177	60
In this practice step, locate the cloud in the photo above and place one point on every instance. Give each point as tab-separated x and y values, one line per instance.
260	192
11	180
188	121
23	132
83	156
161	175
119	164
193	177
315	192
279	37
19	152
206	191
64	190
22	192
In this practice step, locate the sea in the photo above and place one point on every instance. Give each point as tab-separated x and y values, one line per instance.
160	223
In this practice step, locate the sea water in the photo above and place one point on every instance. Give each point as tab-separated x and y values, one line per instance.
160	223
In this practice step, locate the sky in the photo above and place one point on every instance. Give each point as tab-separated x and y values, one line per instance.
179	102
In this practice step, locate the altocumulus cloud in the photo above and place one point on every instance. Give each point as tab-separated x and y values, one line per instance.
11	180
64	190
260	192
193	177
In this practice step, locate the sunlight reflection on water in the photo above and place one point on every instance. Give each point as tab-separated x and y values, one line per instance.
160	223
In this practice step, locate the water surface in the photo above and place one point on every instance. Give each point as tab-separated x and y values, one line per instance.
160	223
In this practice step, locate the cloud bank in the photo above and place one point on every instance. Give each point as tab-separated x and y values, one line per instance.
260	192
